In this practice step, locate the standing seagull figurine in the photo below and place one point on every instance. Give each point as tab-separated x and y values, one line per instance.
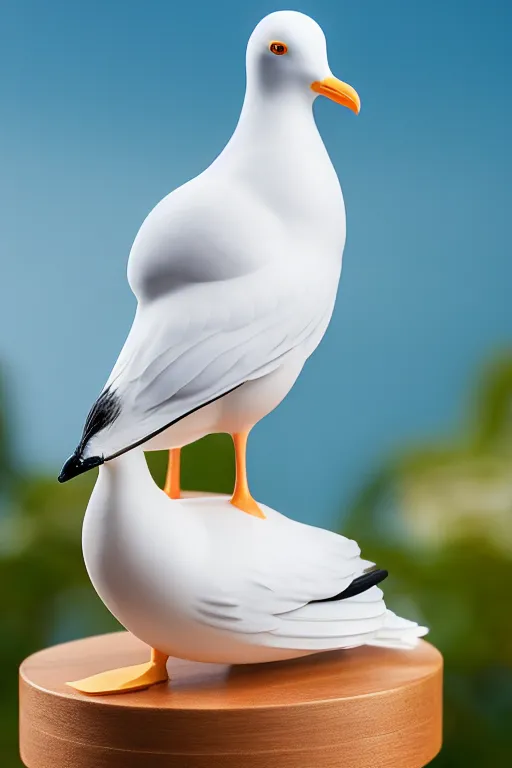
235	272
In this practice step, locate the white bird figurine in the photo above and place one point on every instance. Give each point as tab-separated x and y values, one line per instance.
194	578
235	272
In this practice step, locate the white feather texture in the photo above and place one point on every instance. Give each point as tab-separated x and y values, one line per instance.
198	579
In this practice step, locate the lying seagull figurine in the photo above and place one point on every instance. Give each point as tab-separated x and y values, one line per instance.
235	272
195	579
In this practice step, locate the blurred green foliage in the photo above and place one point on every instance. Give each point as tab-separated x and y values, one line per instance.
438	517
45	594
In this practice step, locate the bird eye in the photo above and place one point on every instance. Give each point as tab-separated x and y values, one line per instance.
278	48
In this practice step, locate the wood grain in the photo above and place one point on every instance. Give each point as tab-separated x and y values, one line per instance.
363	708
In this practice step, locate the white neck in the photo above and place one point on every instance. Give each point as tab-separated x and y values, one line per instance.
130	466
272	125
125	482
277	151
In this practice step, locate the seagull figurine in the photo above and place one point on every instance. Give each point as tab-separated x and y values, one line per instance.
235	272
195	579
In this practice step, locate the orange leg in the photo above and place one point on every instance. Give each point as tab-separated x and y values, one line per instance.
241	495
126	679
172	481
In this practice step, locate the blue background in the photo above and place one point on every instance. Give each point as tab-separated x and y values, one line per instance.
105	107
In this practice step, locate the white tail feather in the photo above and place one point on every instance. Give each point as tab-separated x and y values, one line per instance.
397	633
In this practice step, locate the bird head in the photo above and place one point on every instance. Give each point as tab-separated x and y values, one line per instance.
287	51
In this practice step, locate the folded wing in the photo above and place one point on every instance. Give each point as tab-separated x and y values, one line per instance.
195	345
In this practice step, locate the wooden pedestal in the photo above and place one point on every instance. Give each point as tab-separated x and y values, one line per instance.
363	708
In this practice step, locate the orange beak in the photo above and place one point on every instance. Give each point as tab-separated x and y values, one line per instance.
338	91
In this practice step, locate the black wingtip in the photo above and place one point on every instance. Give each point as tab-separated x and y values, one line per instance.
76	465
370	578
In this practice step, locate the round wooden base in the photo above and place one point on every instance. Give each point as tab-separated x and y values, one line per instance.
363	708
